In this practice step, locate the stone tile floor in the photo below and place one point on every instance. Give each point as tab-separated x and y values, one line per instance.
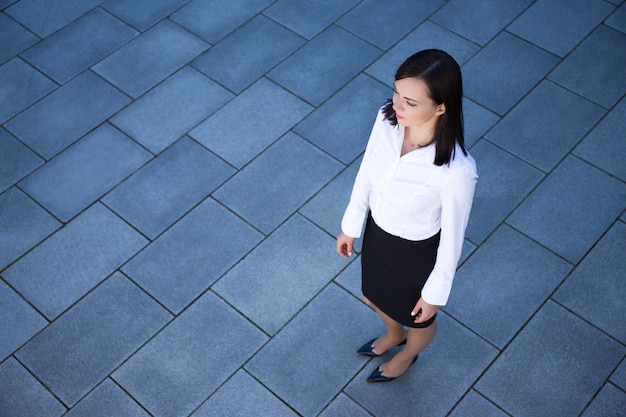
173	174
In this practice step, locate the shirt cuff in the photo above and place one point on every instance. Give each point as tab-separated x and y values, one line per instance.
352	222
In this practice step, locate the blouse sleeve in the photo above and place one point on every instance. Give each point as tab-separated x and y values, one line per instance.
456	203
354	216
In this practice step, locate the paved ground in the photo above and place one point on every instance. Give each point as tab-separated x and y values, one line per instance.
173	174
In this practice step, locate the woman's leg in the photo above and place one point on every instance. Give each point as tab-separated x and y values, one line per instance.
417	341
395	331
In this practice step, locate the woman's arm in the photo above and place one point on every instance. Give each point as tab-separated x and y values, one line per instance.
456	203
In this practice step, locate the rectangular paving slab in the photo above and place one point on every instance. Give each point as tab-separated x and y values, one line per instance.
74	260
554	367
87	343
59	119
85	172
190	358
271	284
169	186
184	261
79	45
150	58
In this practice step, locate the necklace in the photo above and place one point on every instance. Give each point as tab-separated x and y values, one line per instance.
413	145
418	146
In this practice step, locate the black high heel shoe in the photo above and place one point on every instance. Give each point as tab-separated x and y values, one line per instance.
379	376
368	348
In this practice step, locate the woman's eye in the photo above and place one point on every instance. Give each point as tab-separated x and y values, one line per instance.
411	104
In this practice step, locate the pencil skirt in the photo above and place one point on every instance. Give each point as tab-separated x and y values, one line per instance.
394	271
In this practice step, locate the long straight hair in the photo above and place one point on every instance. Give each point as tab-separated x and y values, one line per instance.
442	76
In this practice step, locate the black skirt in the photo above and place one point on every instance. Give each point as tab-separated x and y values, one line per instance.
394	271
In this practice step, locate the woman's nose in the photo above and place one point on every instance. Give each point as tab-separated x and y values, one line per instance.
396	104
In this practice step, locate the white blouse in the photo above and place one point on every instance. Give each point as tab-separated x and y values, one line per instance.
412	198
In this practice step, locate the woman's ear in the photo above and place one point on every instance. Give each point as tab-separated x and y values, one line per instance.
441	109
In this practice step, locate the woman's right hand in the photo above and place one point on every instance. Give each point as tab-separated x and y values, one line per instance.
345	245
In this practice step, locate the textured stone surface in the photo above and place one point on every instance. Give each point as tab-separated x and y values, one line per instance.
173	175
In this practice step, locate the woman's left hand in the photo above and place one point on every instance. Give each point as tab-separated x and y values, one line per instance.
423	311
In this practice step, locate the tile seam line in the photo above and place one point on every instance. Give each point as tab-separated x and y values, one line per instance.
42	384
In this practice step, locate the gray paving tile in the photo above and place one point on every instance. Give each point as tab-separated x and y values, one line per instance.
190	256
343	406
347	140
242	41
245	55
548	363
280	365
282	274
476	405
16	160
142	14
6	3
619	376
169	186
240	142
456	355
600	301
68	113
168	111
77	351
604	145
296	170
497	77
20	86
350	278
22	396
214	19
478	21
503	182
372	20
243	396
426	36
558	26
577	189
150	58
306	20
563	123
327	206
517	288
13	38
74	260
18	321
107	400
23	223
477	120
610	402
44	17
617	20
79	45
324	64
190	358
84	172
590	69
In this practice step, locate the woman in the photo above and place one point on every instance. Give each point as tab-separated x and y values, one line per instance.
417	182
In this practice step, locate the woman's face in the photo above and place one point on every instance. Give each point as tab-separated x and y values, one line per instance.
412	104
